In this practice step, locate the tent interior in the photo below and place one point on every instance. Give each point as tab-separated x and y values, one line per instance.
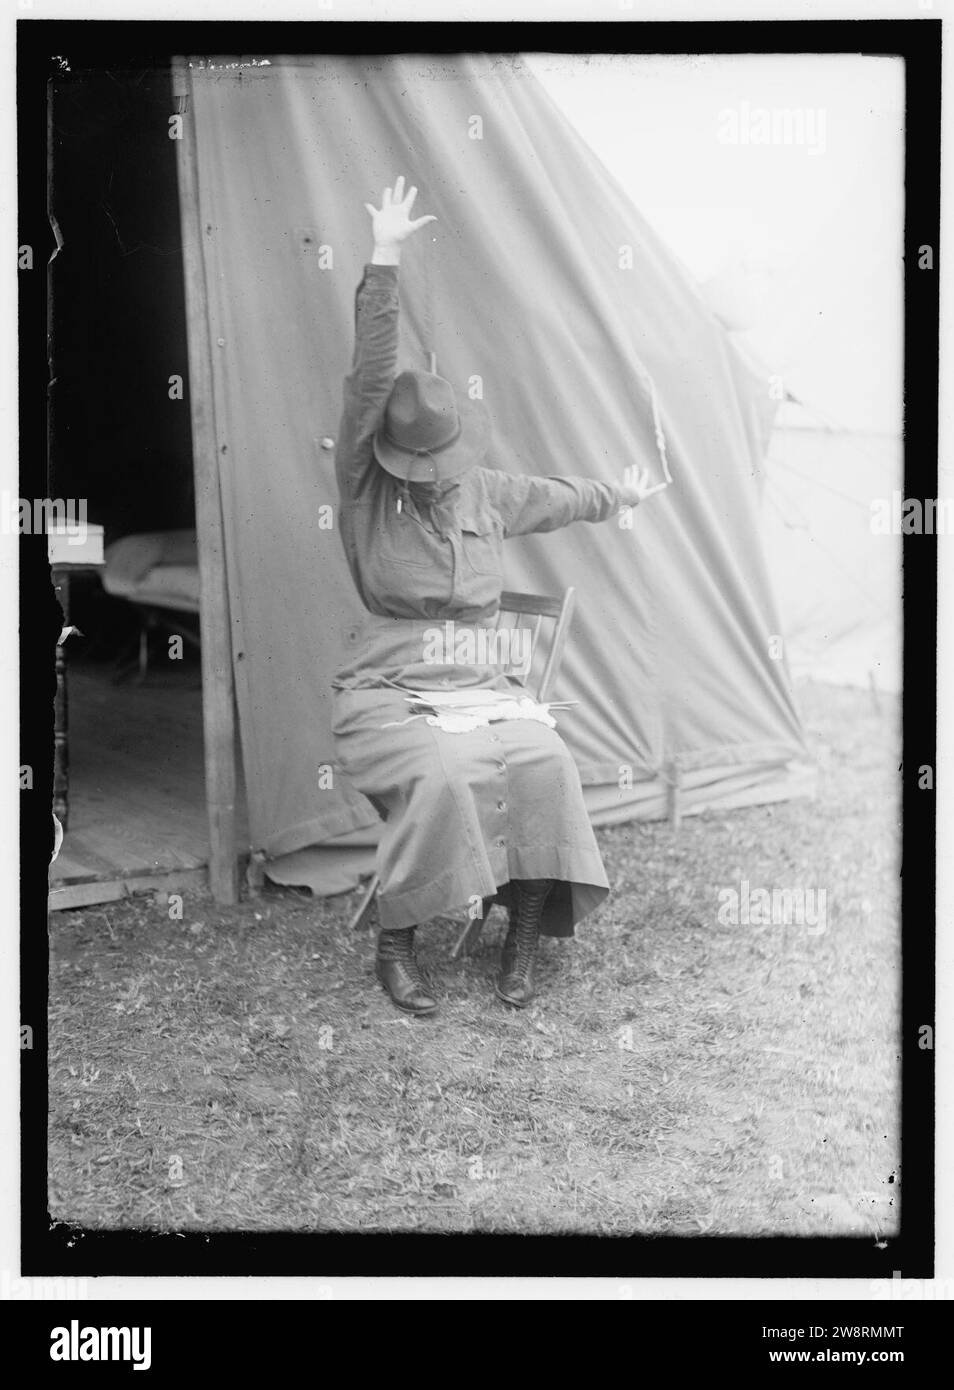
117	441
122	440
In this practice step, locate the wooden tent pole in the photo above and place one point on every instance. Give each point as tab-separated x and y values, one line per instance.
218	689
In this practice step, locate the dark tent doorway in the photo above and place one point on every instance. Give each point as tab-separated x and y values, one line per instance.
121	443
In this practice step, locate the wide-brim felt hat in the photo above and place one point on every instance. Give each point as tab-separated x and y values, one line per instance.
426	435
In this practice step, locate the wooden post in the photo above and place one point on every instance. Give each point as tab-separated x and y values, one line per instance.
675	795
61	712
218	688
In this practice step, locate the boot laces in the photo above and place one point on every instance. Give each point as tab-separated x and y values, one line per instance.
399	946
524	935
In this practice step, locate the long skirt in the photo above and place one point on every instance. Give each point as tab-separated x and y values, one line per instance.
464	813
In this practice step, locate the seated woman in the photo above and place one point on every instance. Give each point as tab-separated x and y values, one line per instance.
497	811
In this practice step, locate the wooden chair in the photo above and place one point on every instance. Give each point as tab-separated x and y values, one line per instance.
539	606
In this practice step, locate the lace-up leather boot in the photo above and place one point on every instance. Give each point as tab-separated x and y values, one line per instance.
515	981
396	968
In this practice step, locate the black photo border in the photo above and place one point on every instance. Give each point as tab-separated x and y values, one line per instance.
54	1249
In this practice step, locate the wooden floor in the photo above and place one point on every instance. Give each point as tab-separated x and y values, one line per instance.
137	797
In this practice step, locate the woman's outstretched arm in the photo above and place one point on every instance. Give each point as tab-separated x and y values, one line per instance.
527	504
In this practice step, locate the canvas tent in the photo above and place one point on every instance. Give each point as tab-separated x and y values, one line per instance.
837	578
539	287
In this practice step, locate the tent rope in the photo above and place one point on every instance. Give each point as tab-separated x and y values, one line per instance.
826	487
802	523
657	426
832	426
876	603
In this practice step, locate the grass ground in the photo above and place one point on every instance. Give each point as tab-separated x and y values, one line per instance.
241	1069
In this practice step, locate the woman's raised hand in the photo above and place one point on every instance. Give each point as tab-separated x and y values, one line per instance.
392	223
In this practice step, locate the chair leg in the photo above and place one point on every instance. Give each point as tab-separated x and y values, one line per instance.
364	906
469	937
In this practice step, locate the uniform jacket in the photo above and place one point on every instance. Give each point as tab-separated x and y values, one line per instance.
443	559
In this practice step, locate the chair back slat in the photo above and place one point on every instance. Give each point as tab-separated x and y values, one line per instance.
541	606
511	602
